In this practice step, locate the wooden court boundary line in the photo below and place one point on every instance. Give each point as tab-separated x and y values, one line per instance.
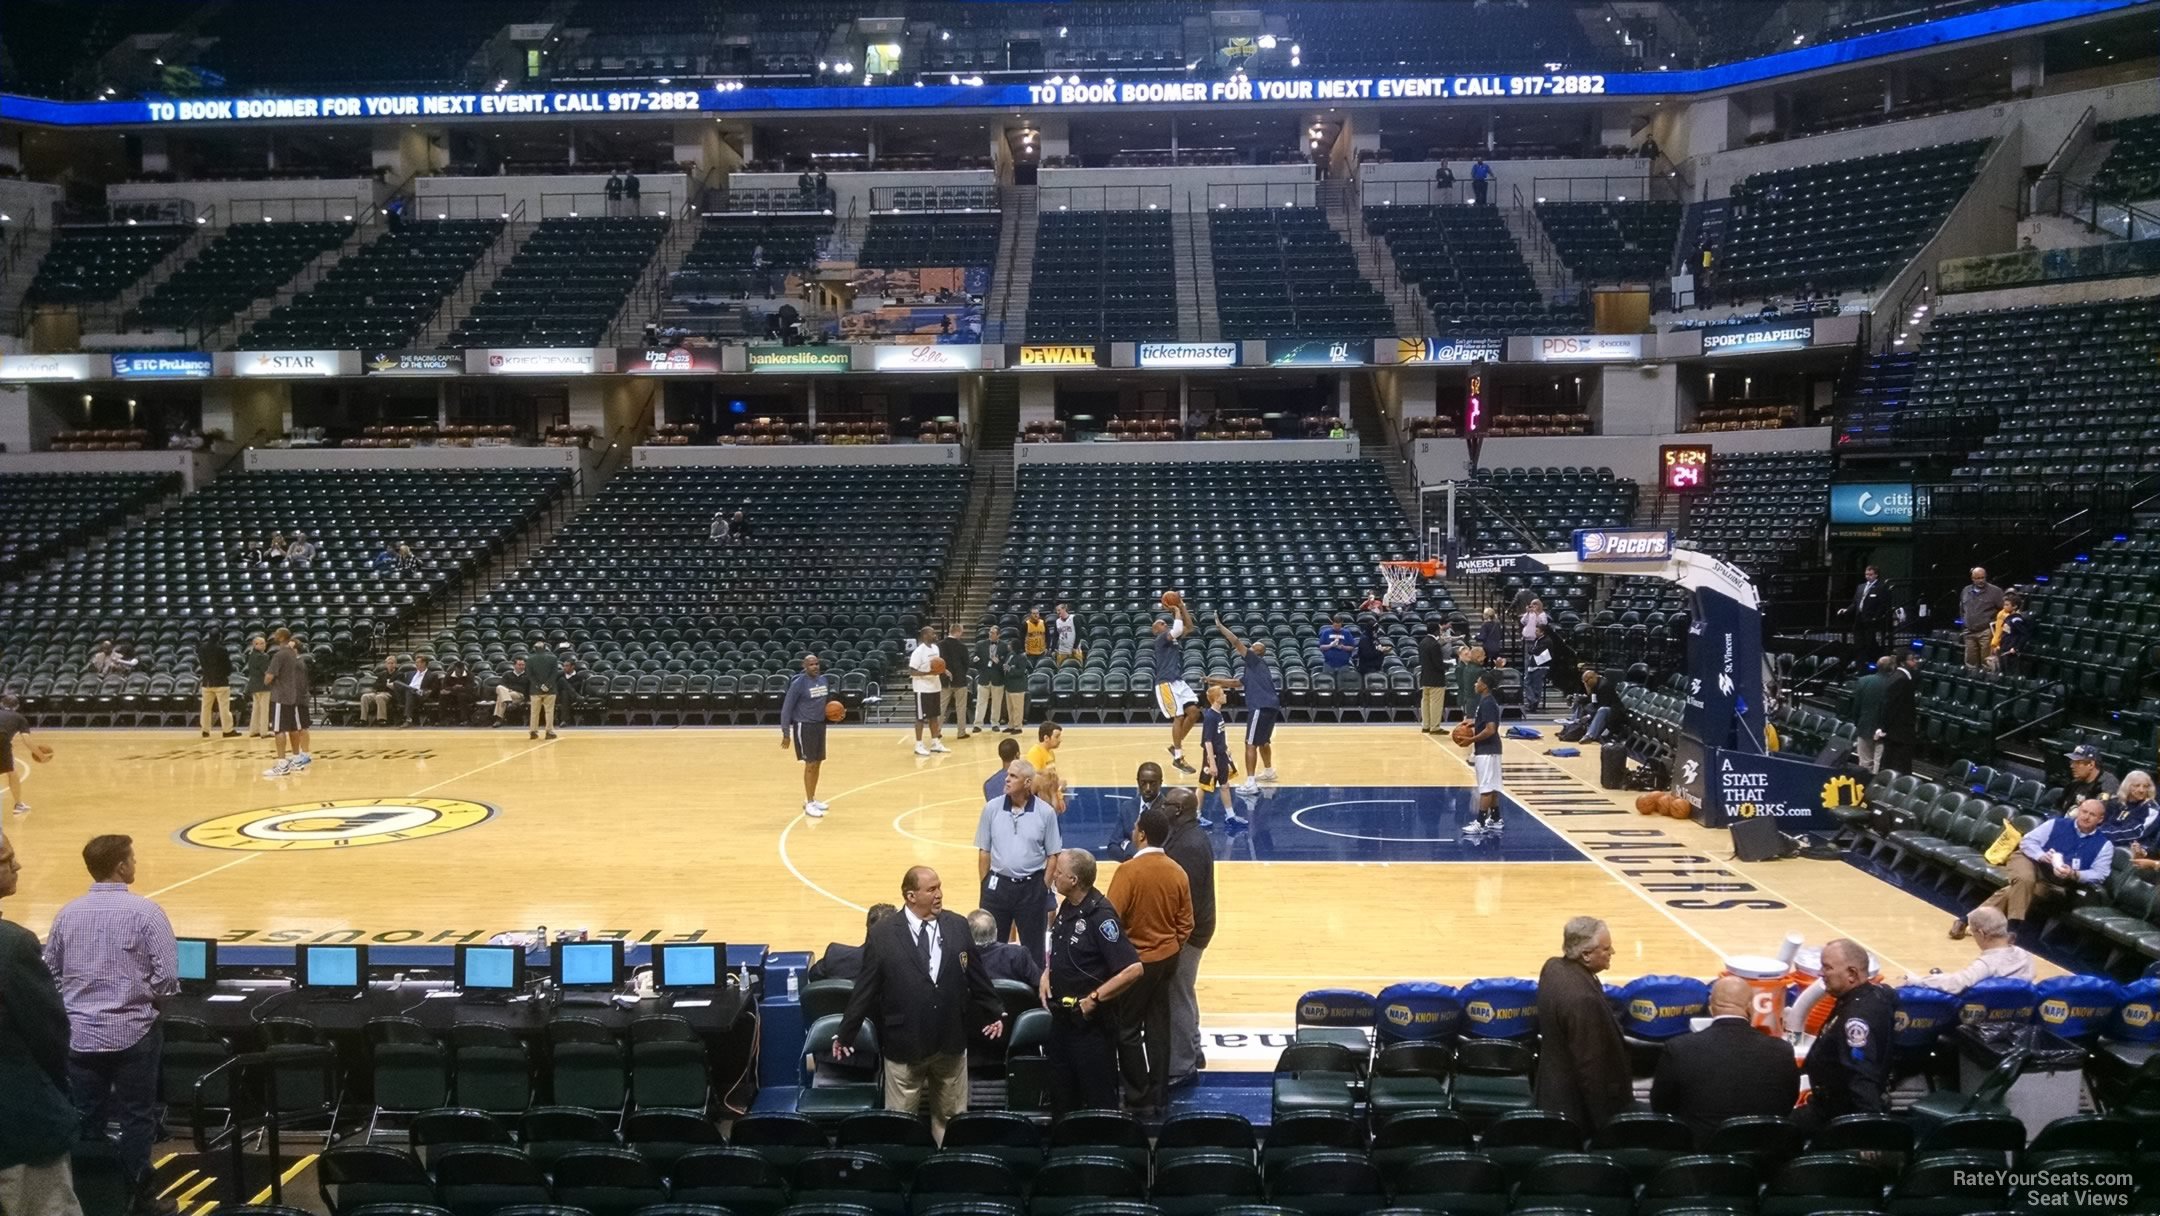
219	869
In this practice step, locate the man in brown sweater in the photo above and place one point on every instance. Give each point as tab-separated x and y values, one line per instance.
1583	1064
1153	899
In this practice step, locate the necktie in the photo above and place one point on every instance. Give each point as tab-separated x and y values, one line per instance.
922	942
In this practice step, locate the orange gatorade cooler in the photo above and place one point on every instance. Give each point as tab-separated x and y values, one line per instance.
1807	976
1766	977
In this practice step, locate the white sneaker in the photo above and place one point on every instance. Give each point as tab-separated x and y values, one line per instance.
1249	786
938	745
921	749
302	760
1266	774
22	808
282	768
1475	827
821	806
815	810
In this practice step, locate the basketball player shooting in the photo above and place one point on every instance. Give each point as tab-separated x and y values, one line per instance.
1172	694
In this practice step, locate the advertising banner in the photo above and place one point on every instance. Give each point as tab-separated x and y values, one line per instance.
1870	509
1797	794
819	360
1585	348
415	363
168	365
536	361
926	358
291	364
1441	350
1052	356
681	361
1750	337
1623	544
1188	354
1316	352
21	369
1722	707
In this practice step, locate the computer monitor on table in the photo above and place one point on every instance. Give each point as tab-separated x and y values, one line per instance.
490	972
588	966
198	961
334	972
690	965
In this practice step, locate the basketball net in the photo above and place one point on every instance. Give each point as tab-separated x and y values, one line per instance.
1402	581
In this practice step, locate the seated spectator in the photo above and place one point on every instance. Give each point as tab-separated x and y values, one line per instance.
844	962
1003	960
1372	603
717	533
511	690
376	700
406	558
458	693
385	558
1726	1070
739	526
255	553
2000	955
416	691
1338	643
1600	712
278	546
2132	812
2063	855
2086	778
1370	653
571	687
301	552
111	660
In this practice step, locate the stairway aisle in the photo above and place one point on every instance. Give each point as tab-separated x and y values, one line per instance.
1376	444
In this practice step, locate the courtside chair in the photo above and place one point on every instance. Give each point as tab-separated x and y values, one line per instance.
408	1066
1467	1183
1492	1078
839	1176
662	1135
897	1138
1316	1076
434	1130
825	998
587	1065
833	1089
1113	1134
1027	1067
549	1132
1643	1142
606	1181
351	1176
1697	1182
1328	1183
667	1064
478	1179
1068	1183
1521	1138
1953	1184
192	1052
493	1071
1580	1182
739	1180
1007	1135
1205	1131
953	1175
1409	1077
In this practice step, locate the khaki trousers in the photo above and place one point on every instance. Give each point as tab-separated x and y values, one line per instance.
217	701
505	697
543	710
936	1088
39	1190
1016	708
377	701
2026	888
1432	707
259	714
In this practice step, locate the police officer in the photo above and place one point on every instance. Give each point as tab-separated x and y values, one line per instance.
1848	1068
1090	963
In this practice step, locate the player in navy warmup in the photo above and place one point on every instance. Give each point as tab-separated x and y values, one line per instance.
1173	696
1215	767
802	722
1263	707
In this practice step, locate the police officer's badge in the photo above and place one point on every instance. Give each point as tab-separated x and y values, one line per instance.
1109	930
1856	1033
963	958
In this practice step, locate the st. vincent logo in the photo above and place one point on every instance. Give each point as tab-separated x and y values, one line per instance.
347	823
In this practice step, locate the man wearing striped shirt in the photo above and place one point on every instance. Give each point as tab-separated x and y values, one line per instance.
113	954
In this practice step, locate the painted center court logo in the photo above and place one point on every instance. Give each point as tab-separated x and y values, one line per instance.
343	824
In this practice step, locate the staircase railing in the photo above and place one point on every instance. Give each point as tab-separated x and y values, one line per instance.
2087	204
1537	246
253	1085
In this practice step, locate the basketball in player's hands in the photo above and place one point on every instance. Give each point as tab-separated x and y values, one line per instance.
1171	599
937	667
835	711
41	752
1464	734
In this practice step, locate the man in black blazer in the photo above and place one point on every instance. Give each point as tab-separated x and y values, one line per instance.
841	961
929	991
1725	1070
1869	612
1901	714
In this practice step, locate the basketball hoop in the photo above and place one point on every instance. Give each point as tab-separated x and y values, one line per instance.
1402	580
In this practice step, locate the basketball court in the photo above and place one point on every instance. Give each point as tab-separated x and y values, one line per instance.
1355	873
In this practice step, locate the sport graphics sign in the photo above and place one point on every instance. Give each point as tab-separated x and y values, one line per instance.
1443	350
1796	794
679	361
1623	544
1747	337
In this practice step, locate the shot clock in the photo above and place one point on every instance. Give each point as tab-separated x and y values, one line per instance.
1684	468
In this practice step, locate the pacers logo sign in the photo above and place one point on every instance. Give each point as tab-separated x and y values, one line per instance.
343	824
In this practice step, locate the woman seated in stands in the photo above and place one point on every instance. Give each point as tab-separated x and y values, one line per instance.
278	546
406	558
110	660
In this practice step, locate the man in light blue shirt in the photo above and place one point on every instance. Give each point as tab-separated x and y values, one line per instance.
1013	842
2060	855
